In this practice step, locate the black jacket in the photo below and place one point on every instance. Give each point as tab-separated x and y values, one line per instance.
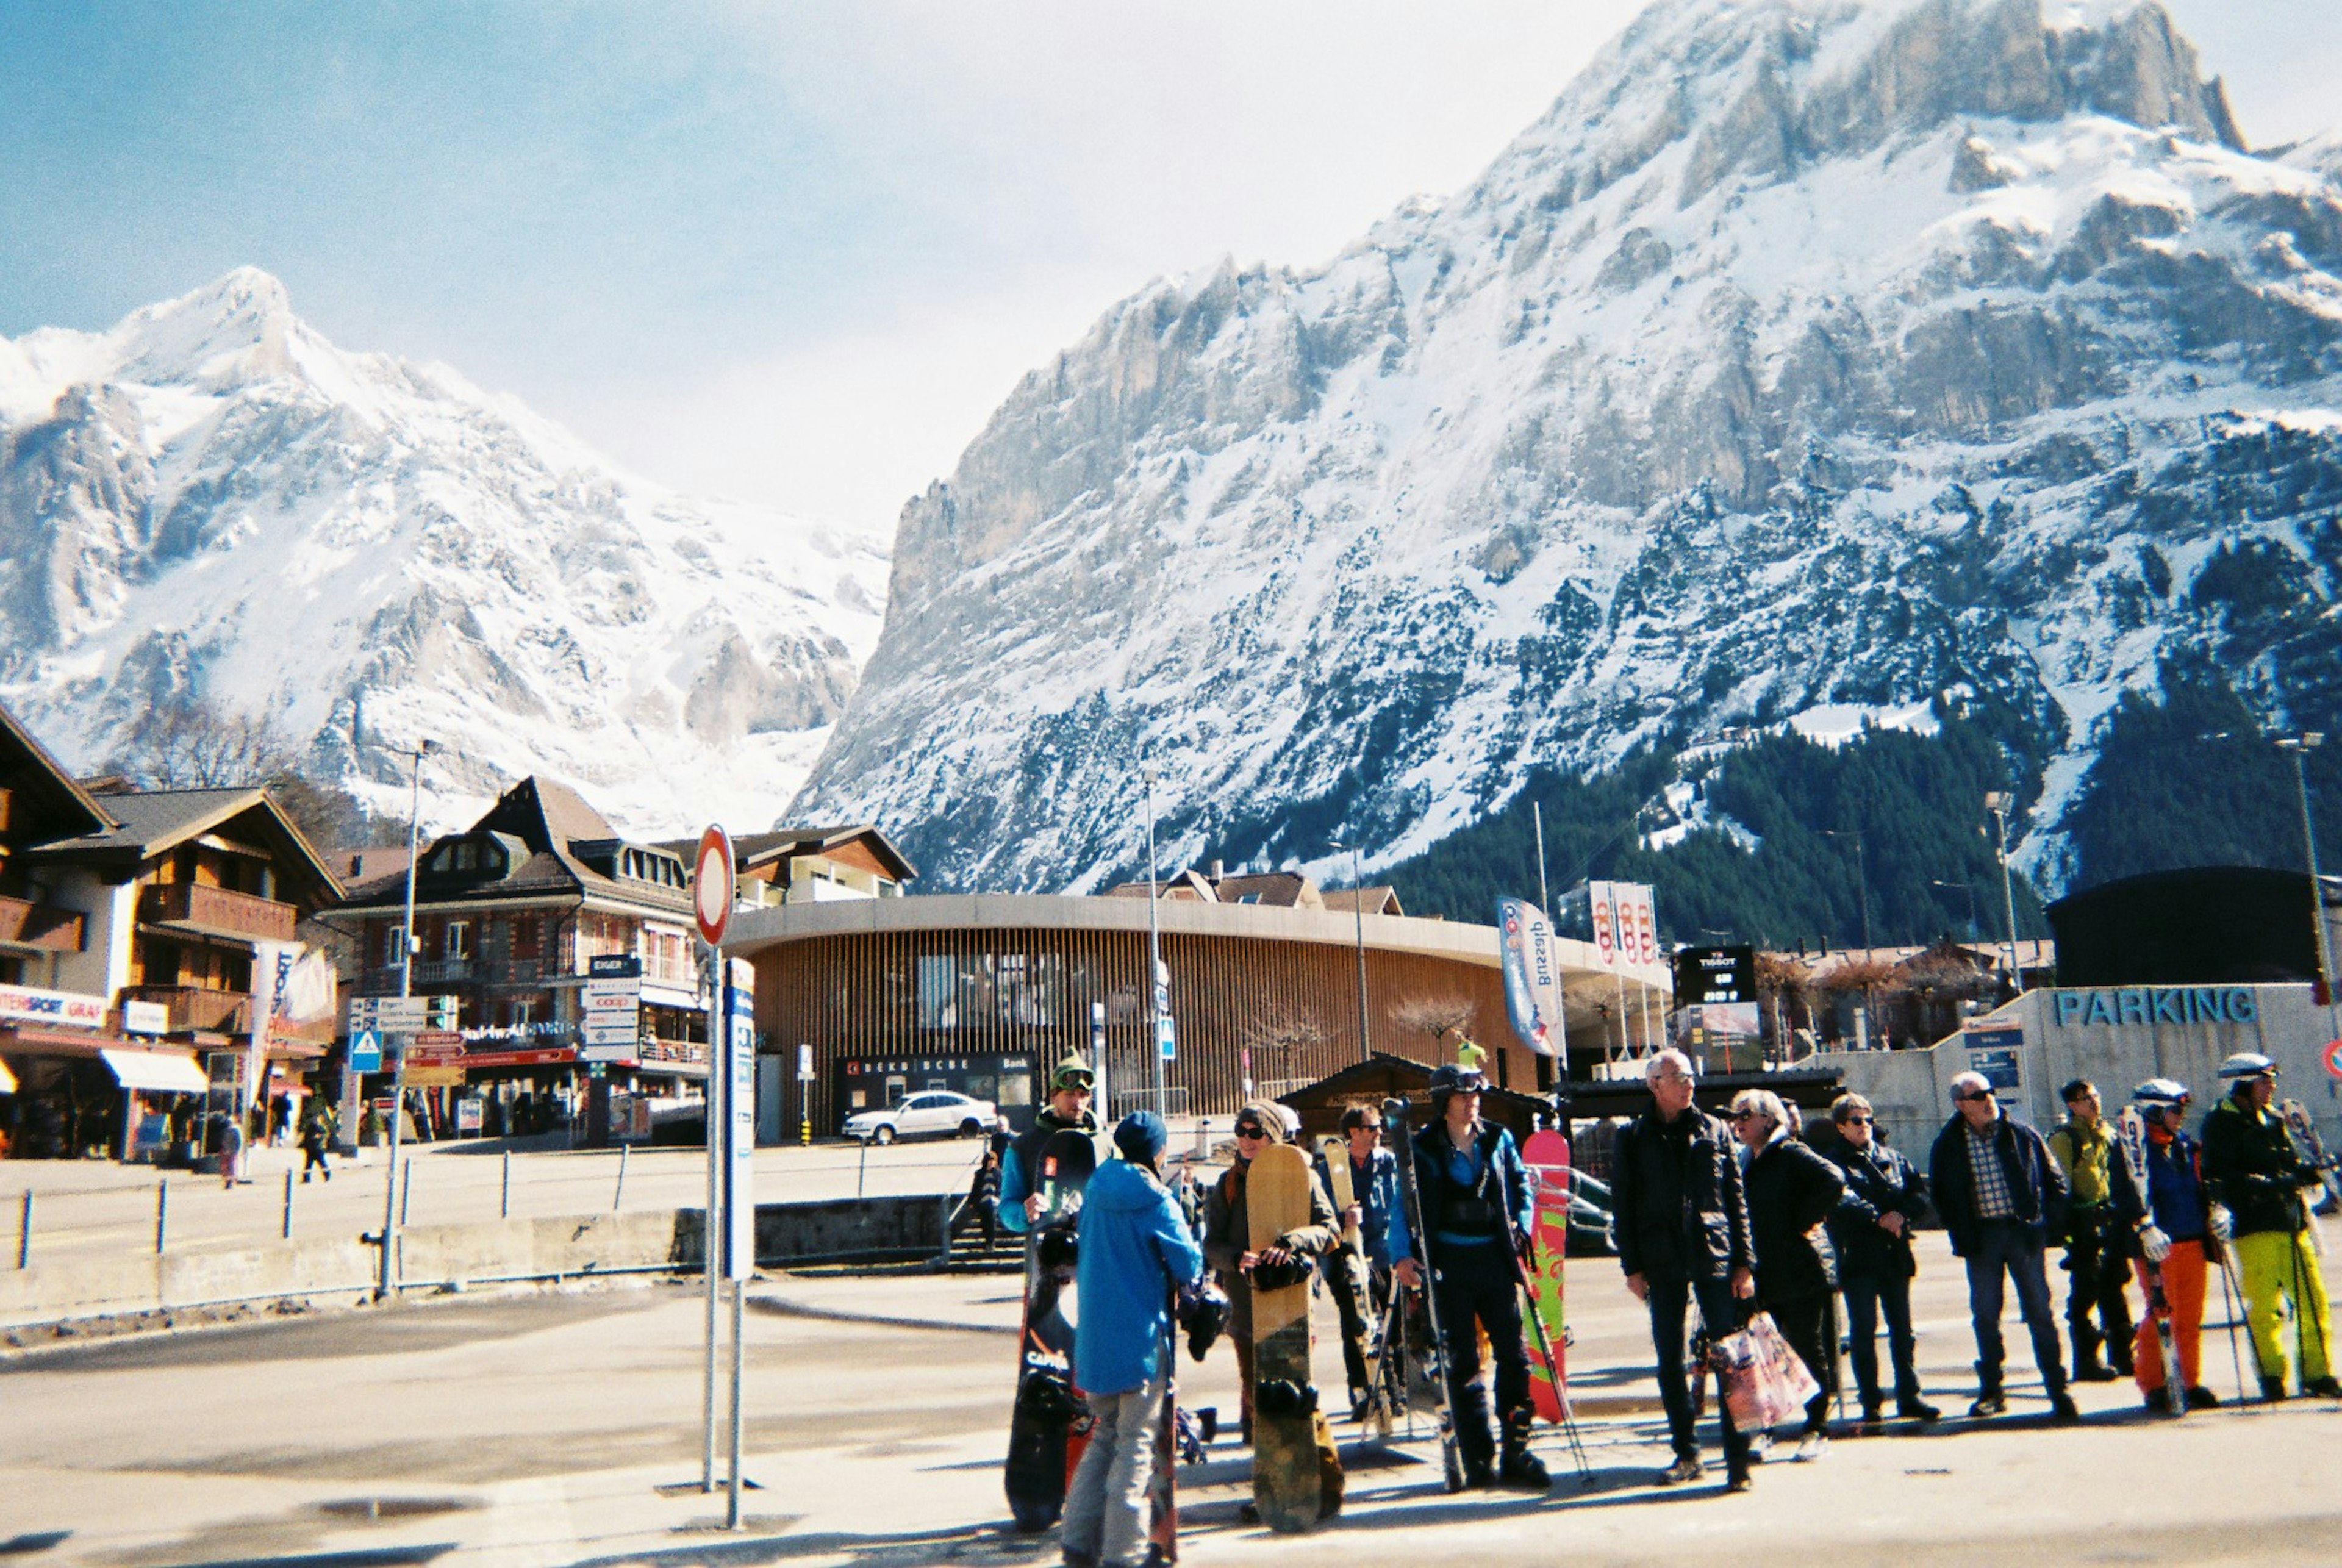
1878	1181
1501	1204
2036	1185
1679	1207
2251	1166
1791	1191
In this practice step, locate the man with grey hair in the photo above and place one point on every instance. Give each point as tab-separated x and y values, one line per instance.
2001	1196
1681	1217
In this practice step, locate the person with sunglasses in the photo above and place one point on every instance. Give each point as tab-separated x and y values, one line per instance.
1680	1216
1792	1191
1871	1229
1068	1109
1231	1249
2001	1196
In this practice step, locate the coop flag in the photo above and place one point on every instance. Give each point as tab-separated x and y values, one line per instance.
1625	922
1532	974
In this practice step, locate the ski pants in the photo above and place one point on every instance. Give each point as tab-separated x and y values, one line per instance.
1867	1299
1670	1304
1477	1285
2095	1286
1107	1506
2183	1295
2279	1270
2003	1249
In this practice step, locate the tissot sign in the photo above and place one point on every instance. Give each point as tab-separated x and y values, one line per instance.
2152	1005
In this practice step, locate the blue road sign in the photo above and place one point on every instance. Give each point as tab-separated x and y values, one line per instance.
365	1051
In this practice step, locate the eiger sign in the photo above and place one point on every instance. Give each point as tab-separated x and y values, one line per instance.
2153	1004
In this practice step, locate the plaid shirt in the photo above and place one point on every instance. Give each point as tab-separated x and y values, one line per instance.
1994	1201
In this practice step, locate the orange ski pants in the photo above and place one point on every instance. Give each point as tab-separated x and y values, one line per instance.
2182	1291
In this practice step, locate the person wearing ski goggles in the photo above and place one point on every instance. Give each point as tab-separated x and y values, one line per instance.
1068	1109
2171	1240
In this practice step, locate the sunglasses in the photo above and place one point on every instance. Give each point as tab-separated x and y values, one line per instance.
1980	1094
1858	1121
1748	1115
1251	1132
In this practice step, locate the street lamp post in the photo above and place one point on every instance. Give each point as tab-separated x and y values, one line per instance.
1153	959
423	748
2301	746
1358	919
1861	876
1965	890
1998	801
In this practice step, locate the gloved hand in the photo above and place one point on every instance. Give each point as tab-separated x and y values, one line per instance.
2154	1244
2223	1224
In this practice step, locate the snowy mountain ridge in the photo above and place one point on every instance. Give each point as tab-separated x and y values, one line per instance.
211	502
1807	354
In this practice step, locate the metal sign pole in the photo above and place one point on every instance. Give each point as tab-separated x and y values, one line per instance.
711	1225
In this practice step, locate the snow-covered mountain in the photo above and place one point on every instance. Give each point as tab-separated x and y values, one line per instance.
1807	354
211	501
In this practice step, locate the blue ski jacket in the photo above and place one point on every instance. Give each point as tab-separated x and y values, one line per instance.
1134	1249
1382	1219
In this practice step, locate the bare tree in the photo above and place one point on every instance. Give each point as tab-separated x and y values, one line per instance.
1284	1037
190	744
1436	1016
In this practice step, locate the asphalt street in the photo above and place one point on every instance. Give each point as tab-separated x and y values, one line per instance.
564	1428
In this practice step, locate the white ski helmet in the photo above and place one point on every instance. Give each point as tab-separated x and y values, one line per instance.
2246	1064
2159	1094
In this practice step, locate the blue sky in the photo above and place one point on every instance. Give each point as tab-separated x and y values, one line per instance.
792	253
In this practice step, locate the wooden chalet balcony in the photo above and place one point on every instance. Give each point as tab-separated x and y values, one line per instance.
215	911
24	924
218	1012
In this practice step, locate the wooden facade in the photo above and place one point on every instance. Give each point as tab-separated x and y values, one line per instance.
1279	1012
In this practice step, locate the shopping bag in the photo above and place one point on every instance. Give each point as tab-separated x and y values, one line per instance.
1764	1382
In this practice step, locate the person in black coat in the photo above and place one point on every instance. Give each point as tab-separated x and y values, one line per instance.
1680	1217
1791	1191
1871	1229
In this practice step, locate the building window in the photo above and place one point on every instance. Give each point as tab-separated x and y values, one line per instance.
525	930
459	939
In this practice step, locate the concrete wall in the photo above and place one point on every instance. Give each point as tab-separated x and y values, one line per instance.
435	1255
1911	1089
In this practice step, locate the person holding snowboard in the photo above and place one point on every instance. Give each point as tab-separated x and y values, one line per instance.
1234	1252
2255	1173
1871	1230
1068	1109
1681	1218
1135	1253
1381	1230
2168	1227
1478	1209
2084	1147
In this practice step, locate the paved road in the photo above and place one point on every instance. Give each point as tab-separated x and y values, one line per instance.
538	1429
82	1207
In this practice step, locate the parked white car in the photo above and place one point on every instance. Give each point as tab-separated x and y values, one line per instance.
930	1113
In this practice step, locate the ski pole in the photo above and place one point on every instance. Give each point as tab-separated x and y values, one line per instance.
2230	1294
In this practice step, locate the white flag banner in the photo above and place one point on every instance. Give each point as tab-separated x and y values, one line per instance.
1602	906
1639	925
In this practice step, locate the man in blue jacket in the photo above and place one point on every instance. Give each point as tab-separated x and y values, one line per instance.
1134	1251
2001	1196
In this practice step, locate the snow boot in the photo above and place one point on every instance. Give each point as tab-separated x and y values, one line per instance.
1519	1469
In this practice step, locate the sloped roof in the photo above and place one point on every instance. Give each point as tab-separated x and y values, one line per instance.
145	823
550	820
1377	900
752	850
48	802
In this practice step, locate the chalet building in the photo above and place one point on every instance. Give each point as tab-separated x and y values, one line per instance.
1267	889
511	913
152	953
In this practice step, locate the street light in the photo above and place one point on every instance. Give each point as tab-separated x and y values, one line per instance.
423	748
1861	876
1358	918
1154	997
1998	803
1965	890
2301	746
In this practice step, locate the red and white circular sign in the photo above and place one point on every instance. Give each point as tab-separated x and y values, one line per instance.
711	885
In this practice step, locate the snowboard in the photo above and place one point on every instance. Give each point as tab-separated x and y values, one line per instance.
2313	1148
2133	1139
1547	1155
1042	1420
1348	1273
1163	1483
1285	1483
1451	1458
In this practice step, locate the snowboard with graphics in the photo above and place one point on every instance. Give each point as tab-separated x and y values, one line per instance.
1547	1155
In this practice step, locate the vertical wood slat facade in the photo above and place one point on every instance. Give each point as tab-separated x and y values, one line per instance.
1290	1007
